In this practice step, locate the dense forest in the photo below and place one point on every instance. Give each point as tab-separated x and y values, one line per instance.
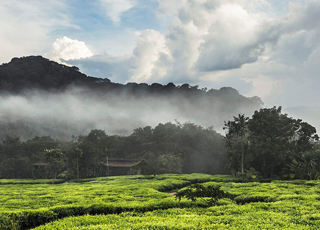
167	148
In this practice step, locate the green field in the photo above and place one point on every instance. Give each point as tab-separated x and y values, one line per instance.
139	202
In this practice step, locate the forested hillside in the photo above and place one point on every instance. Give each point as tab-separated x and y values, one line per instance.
39	97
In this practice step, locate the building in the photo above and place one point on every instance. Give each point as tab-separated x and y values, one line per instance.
117	167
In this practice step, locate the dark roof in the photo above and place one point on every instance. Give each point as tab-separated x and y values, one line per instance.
122	163
40	164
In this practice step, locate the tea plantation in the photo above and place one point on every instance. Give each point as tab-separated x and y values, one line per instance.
141	202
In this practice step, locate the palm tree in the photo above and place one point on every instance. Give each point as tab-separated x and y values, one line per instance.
236	136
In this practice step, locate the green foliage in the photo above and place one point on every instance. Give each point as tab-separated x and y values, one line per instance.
164	163
250	175
231	217
304	166
29	181
55	160
175	148
33	205
193	192
143	203
273	144
9	222
236	142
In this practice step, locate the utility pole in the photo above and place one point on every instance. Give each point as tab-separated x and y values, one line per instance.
108	166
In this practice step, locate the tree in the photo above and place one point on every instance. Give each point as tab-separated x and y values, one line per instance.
271	138
276	139
55	160
274	144
306	136
154	164
169	163
202	149
88	153
13	160
236	140
74	157
89	161
305	166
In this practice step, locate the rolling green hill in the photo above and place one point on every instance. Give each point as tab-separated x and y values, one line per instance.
139	202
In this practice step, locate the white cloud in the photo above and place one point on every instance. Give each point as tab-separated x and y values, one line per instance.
26	26
150	57
233	39
68	49
205	36
115	8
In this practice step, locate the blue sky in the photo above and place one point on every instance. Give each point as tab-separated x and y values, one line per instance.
267	48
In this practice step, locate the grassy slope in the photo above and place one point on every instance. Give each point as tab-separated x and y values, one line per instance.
136	202
126	190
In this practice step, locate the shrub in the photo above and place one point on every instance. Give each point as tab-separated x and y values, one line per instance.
9	222
213	192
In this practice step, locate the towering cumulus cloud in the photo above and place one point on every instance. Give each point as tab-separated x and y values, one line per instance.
151	57
68	49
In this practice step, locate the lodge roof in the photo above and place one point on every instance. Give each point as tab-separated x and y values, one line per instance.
120	163
40	163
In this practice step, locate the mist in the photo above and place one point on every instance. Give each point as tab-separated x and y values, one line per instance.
78	110
307	114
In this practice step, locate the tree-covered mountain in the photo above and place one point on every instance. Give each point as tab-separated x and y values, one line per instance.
36	72
40	97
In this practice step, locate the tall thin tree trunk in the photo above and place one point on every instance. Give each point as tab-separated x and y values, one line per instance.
242	168
242	159
78	169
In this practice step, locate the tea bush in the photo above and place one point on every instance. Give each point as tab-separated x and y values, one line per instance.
141	202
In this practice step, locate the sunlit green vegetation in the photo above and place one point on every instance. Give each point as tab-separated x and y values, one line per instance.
31	181
145	202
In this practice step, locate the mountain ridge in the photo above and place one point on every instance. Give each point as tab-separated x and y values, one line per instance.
37	72
42	97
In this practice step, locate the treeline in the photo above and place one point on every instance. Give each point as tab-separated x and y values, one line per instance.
272	145
269	145
167	148
36	72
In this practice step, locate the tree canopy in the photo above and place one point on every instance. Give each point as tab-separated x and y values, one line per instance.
166	148
273	142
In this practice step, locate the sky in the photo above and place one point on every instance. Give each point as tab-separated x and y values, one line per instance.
265	48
